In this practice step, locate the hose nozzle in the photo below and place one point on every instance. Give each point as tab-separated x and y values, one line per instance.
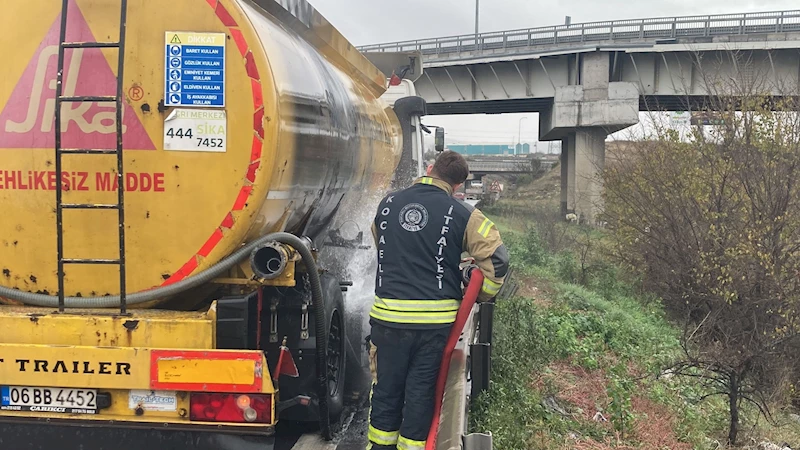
466	272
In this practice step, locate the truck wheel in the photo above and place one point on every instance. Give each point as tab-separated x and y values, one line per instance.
335	326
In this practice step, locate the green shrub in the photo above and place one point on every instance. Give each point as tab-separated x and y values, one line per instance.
566	267
524	180
620	390
526	249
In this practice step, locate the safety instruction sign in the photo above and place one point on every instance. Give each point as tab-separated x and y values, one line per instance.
196	130
195	69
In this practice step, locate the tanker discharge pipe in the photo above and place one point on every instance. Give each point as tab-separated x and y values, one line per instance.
268	261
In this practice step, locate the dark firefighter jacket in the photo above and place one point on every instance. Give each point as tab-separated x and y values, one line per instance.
420	234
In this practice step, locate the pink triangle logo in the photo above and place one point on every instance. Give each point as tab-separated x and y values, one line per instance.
28	119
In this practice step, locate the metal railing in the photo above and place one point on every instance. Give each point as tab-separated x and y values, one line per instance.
455	418
637	29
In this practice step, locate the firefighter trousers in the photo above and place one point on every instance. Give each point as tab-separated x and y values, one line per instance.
405	365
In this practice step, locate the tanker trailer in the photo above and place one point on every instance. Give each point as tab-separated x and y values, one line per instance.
168	172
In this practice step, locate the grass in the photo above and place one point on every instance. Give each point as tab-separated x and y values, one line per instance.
582	336
579	353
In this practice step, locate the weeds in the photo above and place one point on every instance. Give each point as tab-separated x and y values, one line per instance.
620	390
594	327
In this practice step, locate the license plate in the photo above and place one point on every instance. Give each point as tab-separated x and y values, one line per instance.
48	400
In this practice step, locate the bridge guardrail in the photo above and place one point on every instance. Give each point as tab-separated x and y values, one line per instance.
654	28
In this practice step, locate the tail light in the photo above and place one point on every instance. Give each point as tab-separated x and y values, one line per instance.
235	408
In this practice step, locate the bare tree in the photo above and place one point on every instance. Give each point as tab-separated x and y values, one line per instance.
712	220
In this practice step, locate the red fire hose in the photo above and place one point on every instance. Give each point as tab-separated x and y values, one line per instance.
470	297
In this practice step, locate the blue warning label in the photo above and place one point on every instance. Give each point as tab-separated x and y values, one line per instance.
195	69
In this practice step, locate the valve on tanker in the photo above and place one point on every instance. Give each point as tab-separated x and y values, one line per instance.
268	261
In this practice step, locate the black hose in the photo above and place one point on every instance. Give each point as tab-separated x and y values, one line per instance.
322	336
113	301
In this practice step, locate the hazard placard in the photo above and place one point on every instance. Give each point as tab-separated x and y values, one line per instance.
196	130
195	69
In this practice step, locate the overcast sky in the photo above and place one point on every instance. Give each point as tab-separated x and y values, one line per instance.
377	21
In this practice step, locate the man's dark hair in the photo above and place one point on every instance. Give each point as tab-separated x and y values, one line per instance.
451	167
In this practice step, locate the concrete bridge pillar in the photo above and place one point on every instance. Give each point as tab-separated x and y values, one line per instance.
582	116
582	161
590	158
567	176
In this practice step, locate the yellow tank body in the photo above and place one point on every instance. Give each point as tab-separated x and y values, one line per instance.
301	131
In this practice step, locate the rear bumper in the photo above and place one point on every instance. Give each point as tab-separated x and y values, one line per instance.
67	435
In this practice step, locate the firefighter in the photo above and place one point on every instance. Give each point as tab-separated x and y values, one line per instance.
421	233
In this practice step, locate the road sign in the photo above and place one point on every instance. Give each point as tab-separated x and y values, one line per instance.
195	69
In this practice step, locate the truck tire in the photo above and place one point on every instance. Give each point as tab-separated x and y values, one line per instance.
336	323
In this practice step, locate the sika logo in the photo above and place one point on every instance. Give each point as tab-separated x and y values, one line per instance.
28	118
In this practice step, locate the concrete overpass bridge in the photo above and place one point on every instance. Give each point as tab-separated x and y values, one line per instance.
591	79
498	166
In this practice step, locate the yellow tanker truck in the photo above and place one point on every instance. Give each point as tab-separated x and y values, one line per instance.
169	172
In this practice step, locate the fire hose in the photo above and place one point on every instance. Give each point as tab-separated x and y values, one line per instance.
464	311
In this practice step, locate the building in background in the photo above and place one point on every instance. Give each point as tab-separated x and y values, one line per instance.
541	148
490	149
525	149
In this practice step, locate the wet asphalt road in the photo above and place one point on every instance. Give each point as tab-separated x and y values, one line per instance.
352	434
355	437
